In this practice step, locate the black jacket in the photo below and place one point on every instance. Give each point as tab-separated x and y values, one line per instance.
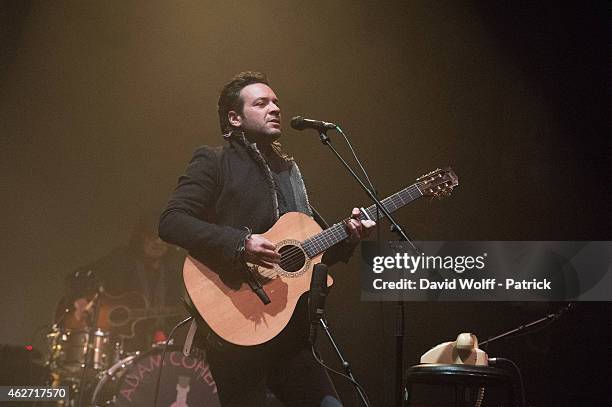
224	191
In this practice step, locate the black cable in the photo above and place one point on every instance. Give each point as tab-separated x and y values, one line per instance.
494	361
163	356
350	379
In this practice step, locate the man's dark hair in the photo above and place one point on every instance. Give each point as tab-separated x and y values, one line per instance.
229	99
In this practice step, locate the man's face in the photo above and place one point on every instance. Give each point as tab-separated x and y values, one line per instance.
261	116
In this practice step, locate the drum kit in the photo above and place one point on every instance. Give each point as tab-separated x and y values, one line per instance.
86	352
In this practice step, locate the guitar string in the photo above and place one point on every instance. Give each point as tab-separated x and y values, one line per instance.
295	255
289	261
330	235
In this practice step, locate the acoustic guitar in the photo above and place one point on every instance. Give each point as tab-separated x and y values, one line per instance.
239	316
118	315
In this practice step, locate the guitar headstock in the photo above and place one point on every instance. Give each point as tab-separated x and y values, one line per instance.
438	183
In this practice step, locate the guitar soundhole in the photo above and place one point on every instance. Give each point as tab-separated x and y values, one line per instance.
293	258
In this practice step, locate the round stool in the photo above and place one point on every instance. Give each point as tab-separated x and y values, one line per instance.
437	385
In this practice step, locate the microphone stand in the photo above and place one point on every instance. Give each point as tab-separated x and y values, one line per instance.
345	364
400	327
316	309
520	329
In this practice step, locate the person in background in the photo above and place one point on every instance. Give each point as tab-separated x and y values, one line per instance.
143	276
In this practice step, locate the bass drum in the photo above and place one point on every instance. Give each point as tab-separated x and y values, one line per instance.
186	381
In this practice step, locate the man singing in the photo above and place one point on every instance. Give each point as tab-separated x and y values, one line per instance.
227	197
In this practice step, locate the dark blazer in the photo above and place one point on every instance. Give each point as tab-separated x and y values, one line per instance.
224	191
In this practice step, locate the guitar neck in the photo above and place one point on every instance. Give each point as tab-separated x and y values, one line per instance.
337	233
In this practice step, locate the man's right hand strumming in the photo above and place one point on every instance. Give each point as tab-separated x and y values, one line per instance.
259	250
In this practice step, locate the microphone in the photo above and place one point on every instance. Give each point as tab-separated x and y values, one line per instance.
316	299
299	123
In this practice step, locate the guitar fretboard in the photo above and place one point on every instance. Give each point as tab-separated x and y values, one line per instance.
336	233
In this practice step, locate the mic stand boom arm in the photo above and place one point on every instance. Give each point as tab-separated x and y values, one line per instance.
395	226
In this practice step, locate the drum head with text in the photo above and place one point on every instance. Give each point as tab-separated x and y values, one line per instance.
186	381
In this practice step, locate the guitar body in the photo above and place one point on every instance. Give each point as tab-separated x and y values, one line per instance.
116	314
109	305
239	316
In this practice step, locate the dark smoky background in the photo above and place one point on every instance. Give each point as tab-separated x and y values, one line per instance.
103	102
